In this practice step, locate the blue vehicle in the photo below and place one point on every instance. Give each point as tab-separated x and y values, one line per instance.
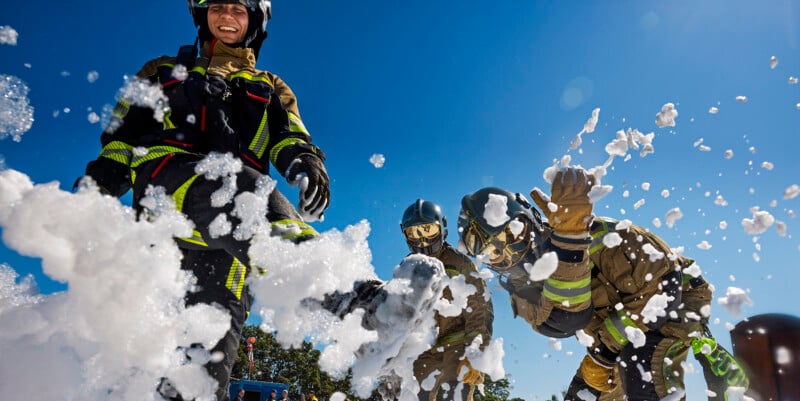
255	390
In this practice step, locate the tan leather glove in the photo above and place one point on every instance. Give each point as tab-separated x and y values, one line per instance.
469	375
568	209
596	375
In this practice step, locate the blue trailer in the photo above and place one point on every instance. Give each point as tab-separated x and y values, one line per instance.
255	390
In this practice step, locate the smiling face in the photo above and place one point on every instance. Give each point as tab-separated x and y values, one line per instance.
228	22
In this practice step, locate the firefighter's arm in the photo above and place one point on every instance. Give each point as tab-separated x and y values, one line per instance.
111	171
297	159
569	212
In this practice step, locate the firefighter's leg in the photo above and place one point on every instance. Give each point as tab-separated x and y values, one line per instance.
450	388
647	373
220	282
427	371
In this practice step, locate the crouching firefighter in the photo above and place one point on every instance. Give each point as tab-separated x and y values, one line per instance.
503	231
651	310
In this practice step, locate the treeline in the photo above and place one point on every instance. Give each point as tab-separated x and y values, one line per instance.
299	369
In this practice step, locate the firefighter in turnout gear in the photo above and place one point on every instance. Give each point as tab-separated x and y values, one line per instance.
504	232
649	305
651	310
425	231
215	105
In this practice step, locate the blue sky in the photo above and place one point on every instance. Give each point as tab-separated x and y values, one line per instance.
458	96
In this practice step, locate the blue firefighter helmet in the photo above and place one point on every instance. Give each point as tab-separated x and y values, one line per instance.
500	225
424	227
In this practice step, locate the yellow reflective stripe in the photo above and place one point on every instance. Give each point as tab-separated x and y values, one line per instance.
117	151
675	352
452	272
457	336
296	125
614	332
236	276
180	194
273	154
597	238
259	143
195	239
573	292
154	152
303	229
121	109
615	324
168	122
196	68
250	77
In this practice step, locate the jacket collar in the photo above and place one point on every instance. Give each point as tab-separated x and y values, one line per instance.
223	58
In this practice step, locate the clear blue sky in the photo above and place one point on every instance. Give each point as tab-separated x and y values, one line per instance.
461	95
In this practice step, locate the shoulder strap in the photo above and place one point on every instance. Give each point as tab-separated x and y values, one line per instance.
187	54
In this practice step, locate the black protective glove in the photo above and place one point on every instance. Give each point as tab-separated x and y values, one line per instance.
86	181
308	171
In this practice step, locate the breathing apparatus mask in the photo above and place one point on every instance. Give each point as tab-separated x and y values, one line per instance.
501	242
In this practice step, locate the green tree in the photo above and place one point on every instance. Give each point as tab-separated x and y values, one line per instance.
494	390
296	367
299	368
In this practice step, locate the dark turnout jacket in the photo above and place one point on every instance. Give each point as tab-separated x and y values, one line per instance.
221	103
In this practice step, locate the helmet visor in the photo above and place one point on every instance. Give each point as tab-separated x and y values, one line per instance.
508	247
474	238
505	248
423	235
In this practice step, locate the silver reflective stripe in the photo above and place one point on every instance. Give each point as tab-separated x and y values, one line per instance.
567	292
618	324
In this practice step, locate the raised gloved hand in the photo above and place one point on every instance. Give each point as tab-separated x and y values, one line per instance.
568	210
468	374
389	387
597	373
308	171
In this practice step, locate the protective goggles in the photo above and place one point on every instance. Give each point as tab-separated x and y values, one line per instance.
423	234
504	248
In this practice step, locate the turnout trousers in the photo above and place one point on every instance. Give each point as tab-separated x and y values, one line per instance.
220	263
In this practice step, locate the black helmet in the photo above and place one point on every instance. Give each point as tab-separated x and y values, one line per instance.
259	13
507	239
424	227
